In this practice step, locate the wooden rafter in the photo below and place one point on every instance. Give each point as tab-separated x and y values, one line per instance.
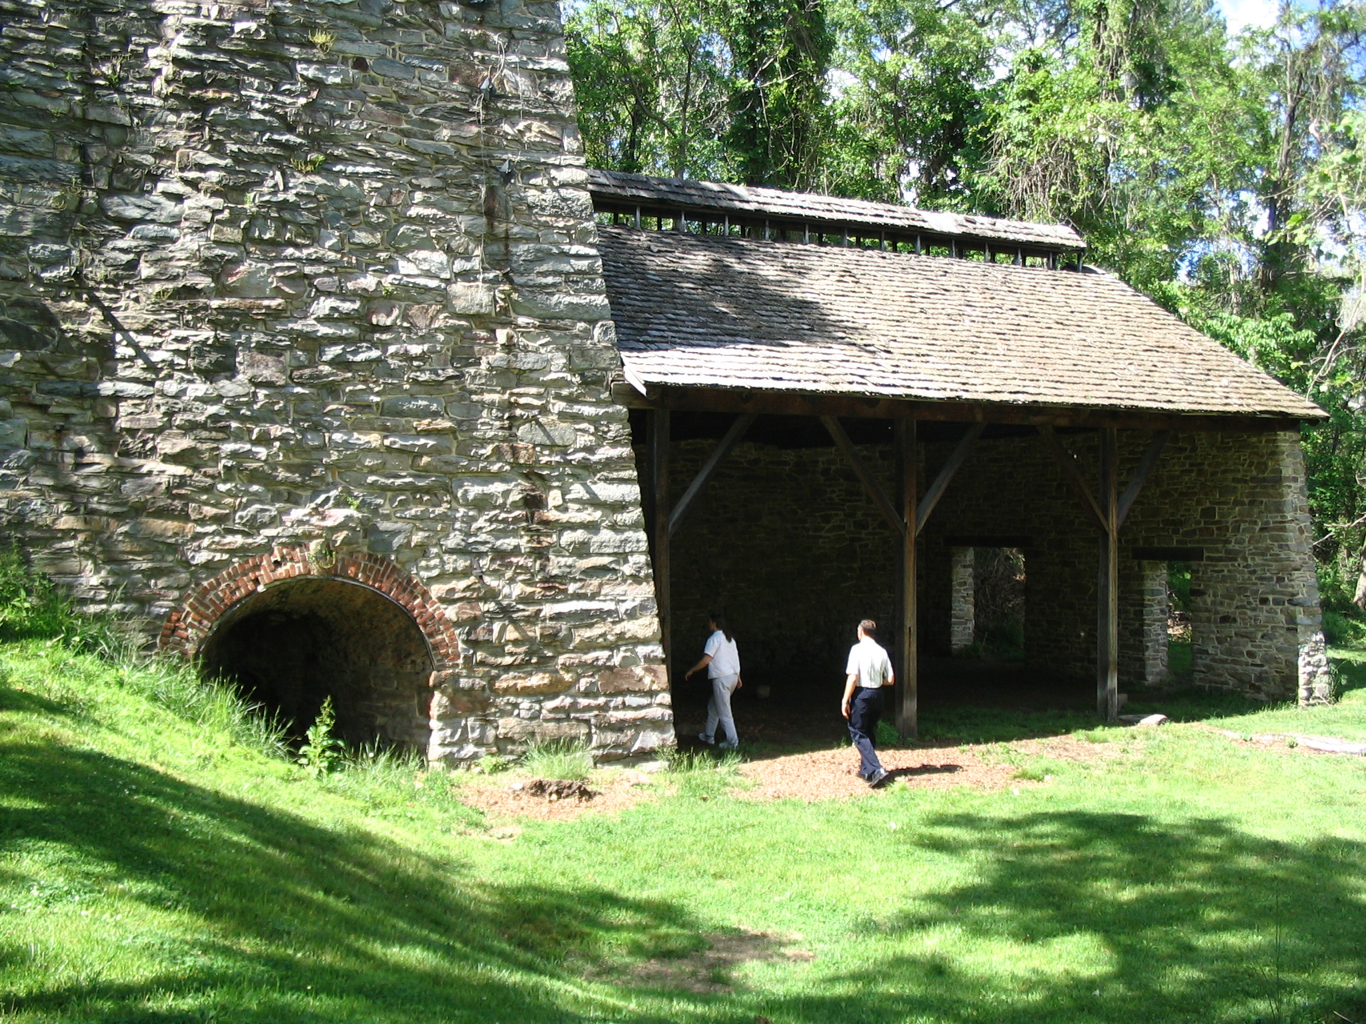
946	474
1067	462
1140	477
708	470
869	481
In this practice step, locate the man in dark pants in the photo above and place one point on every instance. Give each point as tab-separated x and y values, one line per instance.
869	671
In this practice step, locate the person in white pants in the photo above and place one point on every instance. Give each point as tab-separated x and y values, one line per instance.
721	659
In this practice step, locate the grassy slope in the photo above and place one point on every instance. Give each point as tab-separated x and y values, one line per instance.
157	870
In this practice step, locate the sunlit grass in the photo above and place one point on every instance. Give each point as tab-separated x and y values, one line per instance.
161	862
560	760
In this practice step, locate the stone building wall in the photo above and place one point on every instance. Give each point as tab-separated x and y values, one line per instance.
1239	497
319	277
786	542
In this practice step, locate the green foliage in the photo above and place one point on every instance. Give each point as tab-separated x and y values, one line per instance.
780	55
703	774
492	764
33	607
1340	628
321	752
558	760
1180	660
1179	585
911	111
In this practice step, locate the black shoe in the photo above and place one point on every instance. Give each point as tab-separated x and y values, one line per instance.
879	778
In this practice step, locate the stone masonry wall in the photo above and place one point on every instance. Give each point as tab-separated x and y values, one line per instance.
322	274
1240	497
786	542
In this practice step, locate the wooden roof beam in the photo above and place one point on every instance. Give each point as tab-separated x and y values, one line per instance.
787	403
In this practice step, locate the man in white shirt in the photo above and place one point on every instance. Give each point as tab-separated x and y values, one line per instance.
868	673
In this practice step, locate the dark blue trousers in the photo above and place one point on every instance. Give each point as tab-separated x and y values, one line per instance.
865	708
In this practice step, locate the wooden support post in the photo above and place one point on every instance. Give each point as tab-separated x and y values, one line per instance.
1109	510
1107	611
659	526
905	697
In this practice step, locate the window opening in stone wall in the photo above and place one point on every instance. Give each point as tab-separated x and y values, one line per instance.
998	604
1180	640
291	646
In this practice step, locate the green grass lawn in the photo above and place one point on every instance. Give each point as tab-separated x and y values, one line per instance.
160	862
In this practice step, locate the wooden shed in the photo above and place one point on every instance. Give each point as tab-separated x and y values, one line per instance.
984	387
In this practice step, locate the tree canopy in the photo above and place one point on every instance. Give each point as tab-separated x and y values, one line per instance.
1222	175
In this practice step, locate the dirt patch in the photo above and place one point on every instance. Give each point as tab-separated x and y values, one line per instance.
710	969
508	796
828	774
1294	742
832	774
559	789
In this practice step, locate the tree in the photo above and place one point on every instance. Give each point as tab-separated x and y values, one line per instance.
780	57
652	82
1223	177
913	74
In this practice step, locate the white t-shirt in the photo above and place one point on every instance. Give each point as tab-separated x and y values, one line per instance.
725	656
868	660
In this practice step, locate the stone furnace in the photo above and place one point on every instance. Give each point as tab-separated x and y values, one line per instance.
306	361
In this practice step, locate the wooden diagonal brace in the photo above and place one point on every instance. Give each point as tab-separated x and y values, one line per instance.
1145	468
869	482
708	470
941	482
1068	463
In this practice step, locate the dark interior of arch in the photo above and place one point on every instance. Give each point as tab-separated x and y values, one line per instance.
291	646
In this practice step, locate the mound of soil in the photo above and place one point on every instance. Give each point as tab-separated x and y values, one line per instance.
559	789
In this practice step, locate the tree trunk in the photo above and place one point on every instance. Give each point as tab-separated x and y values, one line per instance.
1359	598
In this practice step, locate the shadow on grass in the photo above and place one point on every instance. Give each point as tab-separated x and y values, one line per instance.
1350	669
298	923
1111	917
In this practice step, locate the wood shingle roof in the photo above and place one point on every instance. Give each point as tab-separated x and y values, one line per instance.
723	312
614	190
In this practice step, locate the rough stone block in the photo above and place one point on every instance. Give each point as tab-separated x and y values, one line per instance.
536	682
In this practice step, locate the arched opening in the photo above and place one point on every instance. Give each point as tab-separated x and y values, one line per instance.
295	643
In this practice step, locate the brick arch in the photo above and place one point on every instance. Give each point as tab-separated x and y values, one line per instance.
187	627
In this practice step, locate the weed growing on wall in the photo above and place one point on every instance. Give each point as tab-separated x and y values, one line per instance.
32	607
